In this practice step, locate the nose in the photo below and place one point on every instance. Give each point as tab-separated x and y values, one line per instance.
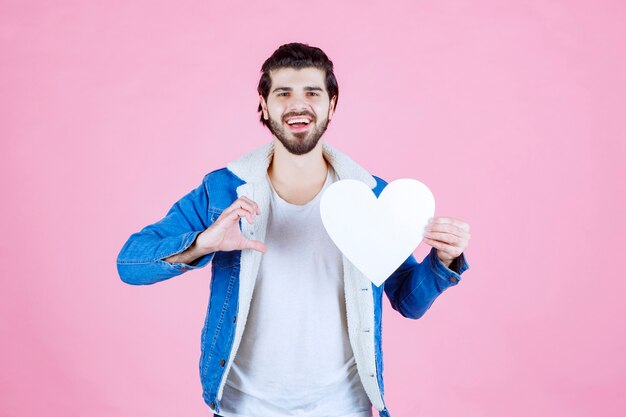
297	106
298	103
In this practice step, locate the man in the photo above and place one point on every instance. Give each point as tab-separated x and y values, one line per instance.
312	339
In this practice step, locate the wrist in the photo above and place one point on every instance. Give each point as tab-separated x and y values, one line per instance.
446	261
199	250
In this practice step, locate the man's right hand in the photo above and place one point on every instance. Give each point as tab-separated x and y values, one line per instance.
224	233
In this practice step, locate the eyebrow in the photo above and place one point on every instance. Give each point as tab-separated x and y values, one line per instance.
291	89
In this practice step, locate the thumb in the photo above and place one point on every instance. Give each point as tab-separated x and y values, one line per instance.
254	244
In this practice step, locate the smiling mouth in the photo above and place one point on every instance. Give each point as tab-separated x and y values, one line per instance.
298	124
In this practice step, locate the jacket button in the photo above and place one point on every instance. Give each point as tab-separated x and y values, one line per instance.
234	319
212	404
453	279
222	362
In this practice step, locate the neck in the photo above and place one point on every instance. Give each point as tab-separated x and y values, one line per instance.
289	171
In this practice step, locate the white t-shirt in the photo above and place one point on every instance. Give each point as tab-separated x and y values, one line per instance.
295	357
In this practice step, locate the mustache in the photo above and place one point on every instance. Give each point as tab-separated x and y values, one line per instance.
290	115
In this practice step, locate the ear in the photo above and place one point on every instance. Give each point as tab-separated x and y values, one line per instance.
331	109
264	106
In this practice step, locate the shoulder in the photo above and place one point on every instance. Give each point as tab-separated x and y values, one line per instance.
221	185
221	176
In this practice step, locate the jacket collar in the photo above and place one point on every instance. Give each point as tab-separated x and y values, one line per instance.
252	167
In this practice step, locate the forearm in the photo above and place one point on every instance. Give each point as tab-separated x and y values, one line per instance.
188	256
142	260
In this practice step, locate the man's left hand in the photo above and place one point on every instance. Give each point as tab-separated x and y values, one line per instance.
449	236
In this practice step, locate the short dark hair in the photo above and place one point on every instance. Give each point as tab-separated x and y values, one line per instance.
296	55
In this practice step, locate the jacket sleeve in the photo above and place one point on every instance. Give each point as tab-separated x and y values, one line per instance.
413	287
140	261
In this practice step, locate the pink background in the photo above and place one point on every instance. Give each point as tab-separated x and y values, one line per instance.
512	113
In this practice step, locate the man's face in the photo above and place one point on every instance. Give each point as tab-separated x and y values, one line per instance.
298	108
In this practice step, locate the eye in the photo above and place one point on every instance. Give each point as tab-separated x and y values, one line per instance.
313	93
283	94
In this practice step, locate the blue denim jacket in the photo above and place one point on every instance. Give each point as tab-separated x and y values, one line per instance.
411	289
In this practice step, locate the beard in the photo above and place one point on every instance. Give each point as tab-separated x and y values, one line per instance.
298	143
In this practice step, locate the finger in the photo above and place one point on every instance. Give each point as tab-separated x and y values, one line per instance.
444	220
447	228
434	243
235	214
458	243
452	251
244	203
254	244
254	204
241	204
449	238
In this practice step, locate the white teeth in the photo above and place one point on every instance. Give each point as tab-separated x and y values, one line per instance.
292	121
